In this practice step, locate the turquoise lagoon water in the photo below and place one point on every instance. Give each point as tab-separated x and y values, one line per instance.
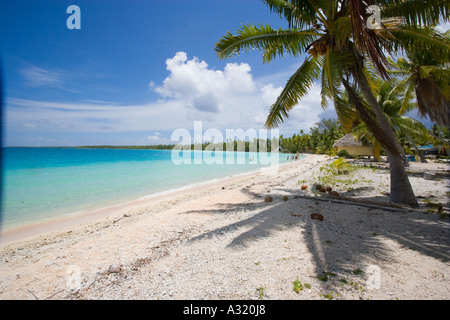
45	183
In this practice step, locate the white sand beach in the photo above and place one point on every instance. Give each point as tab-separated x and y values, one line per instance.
222	240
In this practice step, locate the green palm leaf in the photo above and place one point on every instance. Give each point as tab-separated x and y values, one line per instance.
428	40
298	16
296	88
411	126
266	39
345	112
408	96
417	12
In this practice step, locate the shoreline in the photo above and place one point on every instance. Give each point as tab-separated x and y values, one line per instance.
225	241
28	231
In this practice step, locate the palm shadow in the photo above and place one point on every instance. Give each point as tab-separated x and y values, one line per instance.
333	242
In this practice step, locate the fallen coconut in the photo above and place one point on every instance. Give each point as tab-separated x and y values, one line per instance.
316	216
268	199
334	193
304	187
285	198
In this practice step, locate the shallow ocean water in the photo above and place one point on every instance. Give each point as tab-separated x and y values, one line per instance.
41	184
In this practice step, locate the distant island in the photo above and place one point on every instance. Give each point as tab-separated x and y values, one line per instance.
237	145
147	147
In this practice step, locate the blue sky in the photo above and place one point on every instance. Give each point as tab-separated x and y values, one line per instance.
135	71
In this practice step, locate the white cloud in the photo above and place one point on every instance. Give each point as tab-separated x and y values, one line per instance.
443	26
202	88
36	76
155	137
83	117
270	94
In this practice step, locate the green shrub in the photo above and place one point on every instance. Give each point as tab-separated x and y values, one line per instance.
344	154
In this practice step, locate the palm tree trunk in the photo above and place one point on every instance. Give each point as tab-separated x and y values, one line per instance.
421	157
402	152
401	191
373	153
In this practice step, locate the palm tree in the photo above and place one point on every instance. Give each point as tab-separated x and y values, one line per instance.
428	76
324	133
335	35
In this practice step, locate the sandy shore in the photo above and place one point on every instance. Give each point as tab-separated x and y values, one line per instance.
223	241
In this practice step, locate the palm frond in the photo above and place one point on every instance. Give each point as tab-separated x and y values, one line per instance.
367	40
345	112
298	16
408	97
441	77
296	88
417	12
428	40
372	77
360	131
266	39
341	31
336	64
431	102
412	126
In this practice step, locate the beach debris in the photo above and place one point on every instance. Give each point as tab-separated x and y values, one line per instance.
316	216
268	199
123	216
285	198
33	294
115	268
296	215
223	188
360	202
333	193
304	187
268	191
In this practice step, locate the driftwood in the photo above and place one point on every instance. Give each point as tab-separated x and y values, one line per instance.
54	294
358	202
123	216
50	296
33	294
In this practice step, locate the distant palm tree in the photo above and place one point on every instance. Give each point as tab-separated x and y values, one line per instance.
428	76
336	36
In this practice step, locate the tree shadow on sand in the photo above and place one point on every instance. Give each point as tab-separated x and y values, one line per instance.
339	243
